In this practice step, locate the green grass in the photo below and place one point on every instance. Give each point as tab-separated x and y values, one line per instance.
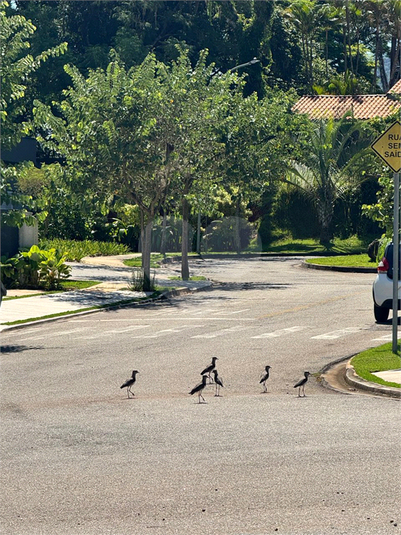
65	286
78	249
352	245
358	260
377	359
156	260
196	278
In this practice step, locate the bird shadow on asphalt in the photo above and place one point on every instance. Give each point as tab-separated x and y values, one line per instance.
17	348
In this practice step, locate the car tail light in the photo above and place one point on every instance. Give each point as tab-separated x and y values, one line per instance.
383	266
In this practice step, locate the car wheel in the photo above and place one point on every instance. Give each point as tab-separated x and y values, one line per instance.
381	314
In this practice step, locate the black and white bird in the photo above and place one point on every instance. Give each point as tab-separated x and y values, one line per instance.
301	384
218	381
208	370
129	383
264	378
198	389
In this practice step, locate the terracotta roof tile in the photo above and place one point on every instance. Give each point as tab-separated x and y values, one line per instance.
335	106
396	88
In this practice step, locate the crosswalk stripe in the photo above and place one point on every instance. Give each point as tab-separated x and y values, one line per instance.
337	334
280	332
222	332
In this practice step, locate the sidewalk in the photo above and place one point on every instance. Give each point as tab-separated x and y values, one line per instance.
38	306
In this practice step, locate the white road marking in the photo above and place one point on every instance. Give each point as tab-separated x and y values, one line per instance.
337	334
67	332
222	332
164	332
386	338
112	332
32	338
235	311
281	332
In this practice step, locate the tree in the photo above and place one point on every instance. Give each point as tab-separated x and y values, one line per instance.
113	135
16	69
335	162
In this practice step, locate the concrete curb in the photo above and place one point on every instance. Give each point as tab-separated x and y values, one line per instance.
344	269
164	295
354	380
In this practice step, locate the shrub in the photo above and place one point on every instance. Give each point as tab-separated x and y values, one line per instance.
138	281
76	250
35	268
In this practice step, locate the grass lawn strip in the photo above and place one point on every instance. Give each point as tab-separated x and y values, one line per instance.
377	359
358	260
65	286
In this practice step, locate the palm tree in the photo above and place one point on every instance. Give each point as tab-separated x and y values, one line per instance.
331	167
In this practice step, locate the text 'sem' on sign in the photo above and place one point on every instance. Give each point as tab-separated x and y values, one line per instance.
388	146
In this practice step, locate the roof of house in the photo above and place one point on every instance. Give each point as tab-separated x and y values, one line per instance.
361	106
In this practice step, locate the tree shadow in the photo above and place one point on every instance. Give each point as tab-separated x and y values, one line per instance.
17	348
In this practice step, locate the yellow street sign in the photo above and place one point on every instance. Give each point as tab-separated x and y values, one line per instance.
388	146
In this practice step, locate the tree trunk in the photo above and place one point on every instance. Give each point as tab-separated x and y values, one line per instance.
146	250
142	236
163	238
325	214
238	226
198	234
184	240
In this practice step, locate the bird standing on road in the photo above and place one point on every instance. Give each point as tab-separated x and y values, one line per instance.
301	384
265	378
198	388
208	370
129	383
218	382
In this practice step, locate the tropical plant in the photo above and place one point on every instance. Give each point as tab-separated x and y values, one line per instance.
52	268
334	164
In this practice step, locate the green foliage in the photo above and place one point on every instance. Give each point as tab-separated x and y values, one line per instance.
15	69
383	210
220	235
76	250
335	164
139	282
35	268
52	268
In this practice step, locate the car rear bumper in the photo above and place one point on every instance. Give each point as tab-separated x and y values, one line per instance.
383	291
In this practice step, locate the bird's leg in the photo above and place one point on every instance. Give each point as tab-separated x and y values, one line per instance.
200	396
264	387
299	392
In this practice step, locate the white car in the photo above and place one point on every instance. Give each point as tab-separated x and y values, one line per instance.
383	286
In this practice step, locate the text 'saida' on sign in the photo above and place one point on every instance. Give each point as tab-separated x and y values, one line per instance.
388	146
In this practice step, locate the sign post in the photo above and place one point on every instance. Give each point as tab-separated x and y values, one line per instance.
388	147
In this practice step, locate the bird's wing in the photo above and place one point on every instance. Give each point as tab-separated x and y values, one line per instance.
196	388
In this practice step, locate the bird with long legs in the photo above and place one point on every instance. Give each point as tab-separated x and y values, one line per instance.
301	384
264	378
129	383
198	389
218	381
208	370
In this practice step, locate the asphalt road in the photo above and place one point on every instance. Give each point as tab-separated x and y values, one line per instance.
78	457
